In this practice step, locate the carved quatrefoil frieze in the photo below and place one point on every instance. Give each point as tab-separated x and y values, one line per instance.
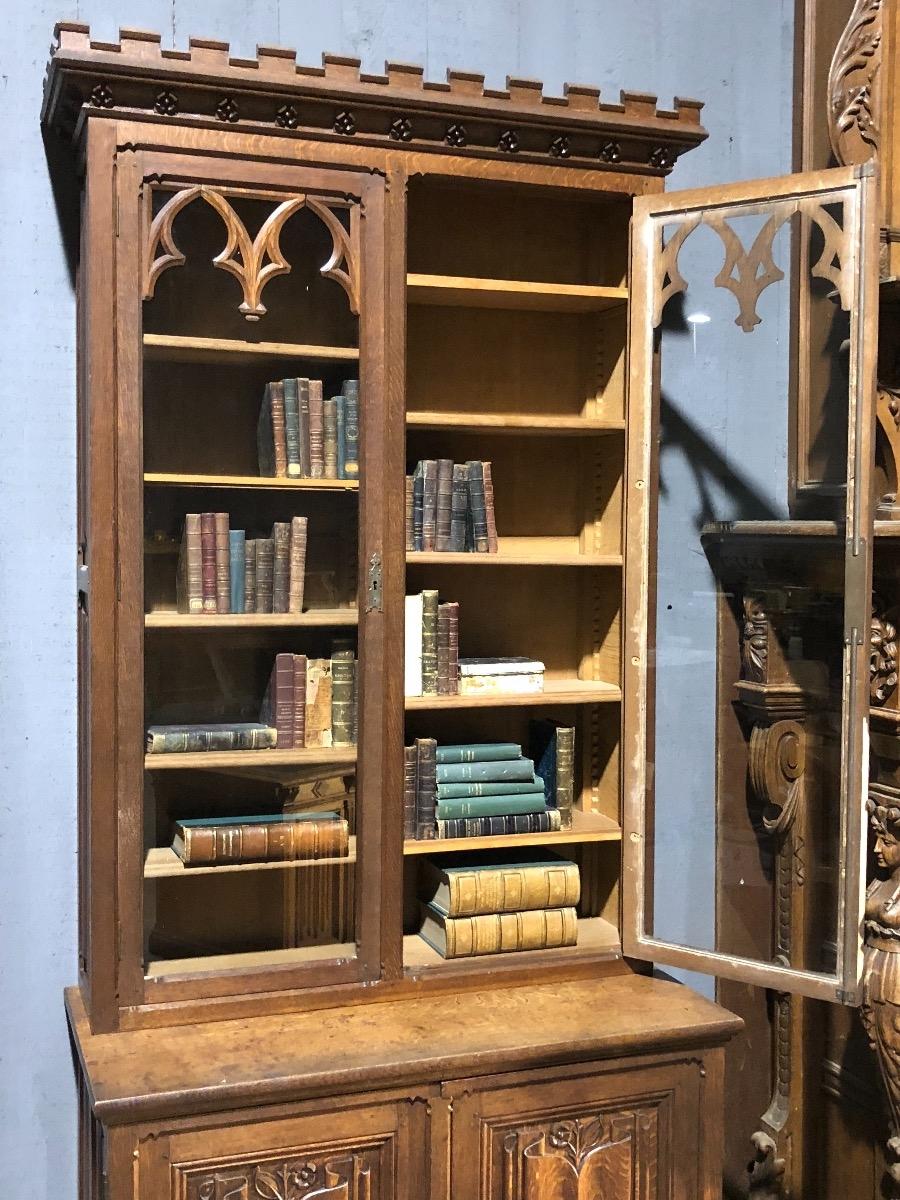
252	261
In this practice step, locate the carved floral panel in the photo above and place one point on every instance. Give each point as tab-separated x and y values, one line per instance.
317	1175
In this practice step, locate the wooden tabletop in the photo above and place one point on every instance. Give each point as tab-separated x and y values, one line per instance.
150	1073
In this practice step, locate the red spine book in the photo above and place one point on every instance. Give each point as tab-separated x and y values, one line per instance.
278	705
299	667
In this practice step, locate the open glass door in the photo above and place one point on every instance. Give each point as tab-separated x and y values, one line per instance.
749	510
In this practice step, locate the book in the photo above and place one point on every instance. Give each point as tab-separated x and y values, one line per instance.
490	519
476	506
412	643
459	507
189	583
340	422
351	428
499	826
265	566
281	566
429	503
278	702
238	566
329	439
443	504
290	391
448	649
265	440
318	702
429	642
280	837
250	575
409	484
499	666
426	788
208	561
498	882
490	806
343	672
223	564
299	666
498	933
409	791
279	439
553	747
189	739
479	752
512	685
316	430
496	771
512	787
419	506
297	564
303	423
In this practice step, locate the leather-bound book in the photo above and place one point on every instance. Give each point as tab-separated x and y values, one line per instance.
498	933
297	564
459	507
552	746
271	443
500	881
292	426
410	759
340	418
237	559
351	428
443	505
330	439
278	703
429	503
426	788
223	564
192	739
299	666
476	506
303	401
429	642
316	430
443	650
281	566
318	703
208	561
280	837
343	672
490	519
265	566
498	826
409	510
419	506
452	608
250	575
190	567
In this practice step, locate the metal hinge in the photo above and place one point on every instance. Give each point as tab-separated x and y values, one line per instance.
373	585
82	575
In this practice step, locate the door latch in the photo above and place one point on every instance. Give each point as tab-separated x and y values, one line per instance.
373	586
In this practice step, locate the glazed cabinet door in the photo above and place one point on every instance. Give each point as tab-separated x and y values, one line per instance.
750	531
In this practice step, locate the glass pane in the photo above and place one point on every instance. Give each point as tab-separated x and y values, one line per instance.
748	605
251	405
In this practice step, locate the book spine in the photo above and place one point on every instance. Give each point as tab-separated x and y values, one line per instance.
505	933
429	503
459	506
412	641
491	806
290	391
280	710
299	667
479	752
351	427
343	670
223	564
513	889
303	423
486	772
426	788
443	650
341	423
191	598
329	439
250	576
211	845
490	519
443	505
163	740
460	827
409	792
453	648
316	430
429	642
208	560
265	440
279	439
297	564
318	702
565	773
515	787
476	506
419	507
281	566
514	685
409	509
265	566
238	568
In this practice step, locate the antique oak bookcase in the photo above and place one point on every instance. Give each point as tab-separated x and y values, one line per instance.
280	1030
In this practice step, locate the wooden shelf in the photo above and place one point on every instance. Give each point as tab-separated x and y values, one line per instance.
586	827
534	558
163	863
163	479
253	960
542	424
596	936
314	619
217	760
467	292
556	691
165	347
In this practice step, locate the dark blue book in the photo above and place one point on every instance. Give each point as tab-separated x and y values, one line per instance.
351	429
237	566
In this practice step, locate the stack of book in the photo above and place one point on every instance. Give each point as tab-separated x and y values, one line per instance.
220	570
513	676
498	904
431	646
300	435
282	837
450	507
480	790
311	702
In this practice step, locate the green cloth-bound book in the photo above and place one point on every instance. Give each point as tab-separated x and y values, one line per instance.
479	752
490	806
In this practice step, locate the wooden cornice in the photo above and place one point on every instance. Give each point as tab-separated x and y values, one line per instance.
204	85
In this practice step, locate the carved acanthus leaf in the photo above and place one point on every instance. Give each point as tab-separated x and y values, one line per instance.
754	640
853	85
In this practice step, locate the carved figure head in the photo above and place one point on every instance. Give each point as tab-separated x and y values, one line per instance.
884	820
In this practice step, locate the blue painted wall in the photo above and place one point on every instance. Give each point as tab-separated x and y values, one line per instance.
735	55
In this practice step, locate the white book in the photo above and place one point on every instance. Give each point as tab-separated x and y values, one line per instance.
500	666
412	643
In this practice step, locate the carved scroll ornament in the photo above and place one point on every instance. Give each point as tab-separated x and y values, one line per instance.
853	86
292	1179
882	659
253	262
